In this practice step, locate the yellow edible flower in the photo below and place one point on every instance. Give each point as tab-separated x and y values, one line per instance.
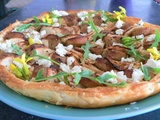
120	14
24	71
154	53
47	19
15	70
31	41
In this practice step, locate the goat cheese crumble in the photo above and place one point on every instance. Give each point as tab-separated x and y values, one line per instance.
100	42
44	62
94	56
82	15
119	24
137	75
119	31
62	50
152	63
130	59
60	13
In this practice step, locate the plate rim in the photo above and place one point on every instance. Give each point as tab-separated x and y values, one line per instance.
49	116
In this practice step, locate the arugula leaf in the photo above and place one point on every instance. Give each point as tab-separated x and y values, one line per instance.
43	57
155	70
36	25
58	75
121	84
23	27
63	76
86	50
36	21
134	52
109	17
39	74
128	41
144	69
156	40
93	26
102	79
77	78
17	50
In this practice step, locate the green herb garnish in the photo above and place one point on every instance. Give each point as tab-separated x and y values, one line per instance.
43	57
135	53
86	50
17	50
84	74
128	41
145	71
36	25
156	40
93	26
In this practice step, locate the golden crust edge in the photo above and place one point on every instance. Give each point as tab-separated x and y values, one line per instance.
77	97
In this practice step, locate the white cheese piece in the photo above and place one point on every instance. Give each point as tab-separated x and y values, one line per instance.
94	56
104	18
55	20
152	63
121	76
70	60
103	25
44	62
64	67
140	36
6	46
130	59
82	15
56	24
62	83
69	47
89	29
43	33
6	62
30	33
100	42
60	50
110	72
119	31
140	23
119	44
130	66
76	69
137	75
112	80
60	13
119	24
150	37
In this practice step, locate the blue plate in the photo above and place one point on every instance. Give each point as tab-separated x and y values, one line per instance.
43	109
